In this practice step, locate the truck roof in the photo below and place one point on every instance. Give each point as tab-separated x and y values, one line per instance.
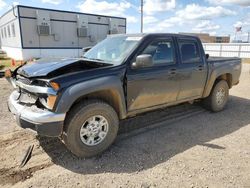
155	34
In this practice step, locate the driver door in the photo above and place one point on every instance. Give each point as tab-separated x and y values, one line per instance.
155	85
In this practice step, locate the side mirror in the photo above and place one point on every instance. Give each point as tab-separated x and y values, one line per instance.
144	60
207	56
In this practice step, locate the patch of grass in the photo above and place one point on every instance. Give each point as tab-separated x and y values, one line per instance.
6	63
246	60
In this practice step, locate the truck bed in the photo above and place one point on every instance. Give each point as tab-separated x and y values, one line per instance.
222	59
230	65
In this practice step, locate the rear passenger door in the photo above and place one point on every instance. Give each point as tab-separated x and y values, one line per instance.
192	69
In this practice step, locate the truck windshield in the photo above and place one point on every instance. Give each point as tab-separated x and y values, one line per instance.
113	49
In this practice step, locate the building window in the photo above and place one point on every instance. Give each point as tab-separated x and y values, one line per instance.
2	33
13	30
5	32
9	35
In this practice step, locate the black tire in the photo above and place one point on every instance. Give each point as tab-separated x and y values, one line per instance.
211	103
76	118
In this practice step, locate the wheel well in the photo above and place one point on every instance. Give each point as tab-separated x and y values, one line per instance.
109	96
227	77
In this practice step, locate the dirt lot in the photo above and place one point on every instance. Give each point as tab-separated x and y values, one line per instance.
183	146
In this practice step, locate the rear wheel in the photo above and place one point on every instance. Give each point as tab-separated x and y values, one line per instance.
218	97
90	128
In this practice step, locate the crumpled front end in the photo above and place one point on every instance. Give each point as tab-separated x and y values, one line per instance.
32	104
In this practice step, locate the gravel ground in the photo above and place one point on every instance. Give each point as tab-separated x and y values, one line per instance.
183	146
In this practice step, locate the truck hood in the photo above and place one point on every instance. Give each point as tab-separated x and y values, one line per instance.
55	67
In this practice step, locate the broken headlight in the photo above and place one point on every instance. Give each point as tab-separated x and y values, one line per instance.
41	83
48	101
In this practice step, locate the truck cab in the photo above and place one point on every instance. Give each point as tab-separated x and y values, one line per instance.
178	72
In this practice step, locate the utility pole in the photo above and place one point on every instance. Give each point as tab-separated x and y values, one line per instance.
248	37
141	16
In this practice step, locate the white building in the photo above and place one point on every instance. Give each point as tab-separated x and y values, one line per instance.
30	32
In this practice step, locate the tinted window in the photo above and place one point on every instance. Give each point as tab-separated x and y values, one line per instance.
162	51
189	52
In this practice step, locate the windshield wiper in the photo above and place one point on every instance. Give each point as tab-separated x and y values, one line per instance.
99	61
93	59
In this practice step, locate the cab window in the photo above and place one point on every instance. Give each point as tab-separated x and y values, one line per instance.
162	52
189	51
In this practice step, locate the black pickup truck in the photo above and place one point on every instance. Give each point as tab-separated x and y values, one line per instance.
82	100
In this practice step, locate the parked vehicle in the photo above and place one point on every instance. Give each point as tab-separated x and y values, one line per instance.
82	100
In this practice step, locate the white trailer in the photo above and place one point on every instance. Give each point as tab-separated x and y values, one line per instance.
31	32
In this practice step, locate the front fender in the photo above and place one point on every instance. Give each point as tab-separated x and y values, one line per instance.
74	92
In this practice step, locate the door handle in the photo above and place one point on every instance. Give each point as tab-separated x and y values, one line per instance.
172	71
199	68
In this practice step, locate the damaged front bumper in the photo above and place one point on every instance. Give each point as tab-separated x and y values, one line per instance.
44	122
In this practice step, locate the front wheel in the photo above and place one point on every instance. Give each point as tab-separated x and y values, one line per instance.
218	97
90	128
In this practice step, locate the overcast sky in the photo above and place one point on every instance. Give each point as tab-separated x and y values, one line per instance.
212	16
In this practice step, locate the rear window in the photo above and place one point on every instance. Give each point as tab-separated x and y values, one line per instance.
189	51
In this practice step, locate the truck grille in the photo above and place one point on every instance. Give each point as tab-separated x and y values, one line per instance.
23	80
